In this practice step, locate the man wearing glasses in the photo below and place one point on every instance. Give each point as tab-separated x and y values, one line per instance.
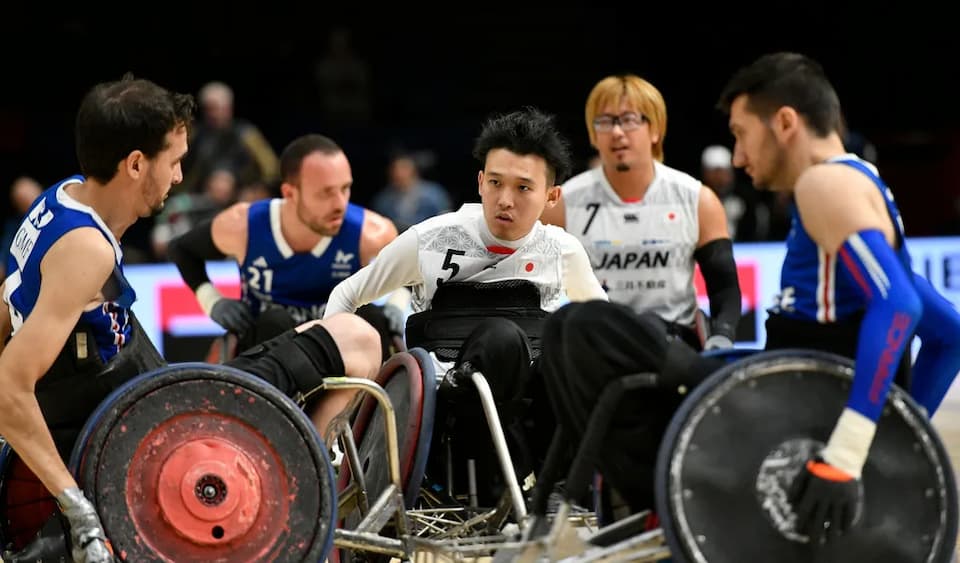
644	224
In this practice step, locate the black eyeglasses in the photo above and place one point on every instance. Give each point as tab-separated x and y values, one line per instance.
628	122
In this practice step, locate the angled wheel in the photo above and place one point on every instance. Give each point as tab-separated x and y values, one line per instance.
25	505
201	462
734	447
409	379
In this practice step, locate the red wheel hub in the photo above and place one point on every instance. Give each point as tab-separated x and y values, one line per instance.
209	491
203	485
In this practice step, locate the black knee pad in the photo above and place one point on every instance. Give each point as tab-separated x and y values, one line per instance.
294	362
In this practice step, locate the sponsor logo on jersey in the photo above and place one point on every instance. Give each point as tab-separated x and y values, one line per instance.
343	260
602	243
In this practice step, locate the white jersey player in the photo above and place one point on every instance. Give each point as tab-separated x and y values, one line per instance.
644	224
642	252
499	239
460	247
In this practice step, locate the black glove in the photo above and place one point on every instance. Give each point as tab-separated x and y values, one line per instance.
233	315
396	319
825	500
88	541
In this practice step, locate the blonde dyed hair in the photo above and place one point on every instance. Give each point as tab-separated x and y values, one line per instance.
640	94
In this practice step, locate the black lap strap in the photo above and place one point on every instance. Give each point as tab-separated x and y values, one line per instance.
444	332
78	380
457	308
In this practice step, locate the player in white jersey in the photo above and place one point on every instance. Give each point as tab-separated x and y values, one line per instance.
644	224
498	241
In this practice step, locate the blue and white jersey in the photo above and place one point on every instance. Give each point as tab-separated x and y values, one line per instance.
273	274
809	286
51	216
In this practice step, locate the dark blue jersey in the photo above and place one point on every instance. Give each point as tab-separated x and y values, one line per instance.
810	288
272	274
51	216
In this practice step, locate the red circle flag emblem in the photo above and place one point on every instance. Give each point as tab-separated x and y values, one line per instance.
528	267
671	216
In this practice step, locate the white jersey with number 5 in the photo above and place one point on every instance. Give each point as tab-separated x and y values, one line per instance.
459	247
641	251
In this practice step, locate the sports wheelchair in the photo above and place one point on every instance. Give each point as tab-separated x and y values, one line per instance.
203	462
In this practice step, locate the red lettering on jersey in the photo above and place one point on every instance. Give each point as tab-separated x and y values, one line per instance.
895	336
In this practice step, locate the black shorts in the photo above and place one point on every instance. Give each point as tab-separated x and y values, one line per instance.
293	362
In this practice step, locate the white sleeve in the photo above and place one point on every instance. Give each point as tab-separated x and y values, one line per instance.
397	265
579	281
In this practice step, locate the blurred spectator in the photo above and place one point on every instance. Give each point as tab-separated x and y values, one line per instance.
23	192
409	199
343	79
222	141
183	211
254	192
748	217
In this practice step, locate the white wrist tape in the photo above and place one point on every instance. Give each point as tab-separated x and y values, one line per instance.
207	296
850	442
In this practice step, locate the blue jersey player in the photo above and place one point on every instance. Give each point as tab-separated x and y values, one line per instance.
847	286
291	251
70	337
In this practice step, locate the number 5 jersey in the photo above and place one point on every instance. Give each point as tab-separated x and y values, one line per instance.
459	247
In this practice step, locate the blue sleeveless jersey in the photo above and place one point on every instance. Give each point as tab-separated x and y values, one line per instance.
272	274
50	217
809	286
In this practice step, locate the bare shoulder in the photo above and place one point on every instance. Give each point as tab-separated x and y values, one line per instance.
378	231
707	200
85	244
711	217
233	218
377	226
80	260
825	185
835	201
229	230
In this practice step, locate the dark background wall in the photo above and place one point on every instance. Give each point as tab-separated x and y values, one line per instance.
434	81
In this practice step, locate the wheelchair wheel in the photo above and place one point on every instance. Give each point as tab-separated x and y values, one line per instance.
735	445
25	504
200	462
409	379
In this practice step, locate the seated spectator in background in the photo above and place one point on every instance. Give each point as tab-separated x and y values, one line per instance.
748	217
23	192
409	199
185	210
343	78
222	141
255	192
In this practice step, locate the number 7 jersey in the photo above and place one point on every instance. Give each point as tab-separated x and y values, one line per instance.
641	251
